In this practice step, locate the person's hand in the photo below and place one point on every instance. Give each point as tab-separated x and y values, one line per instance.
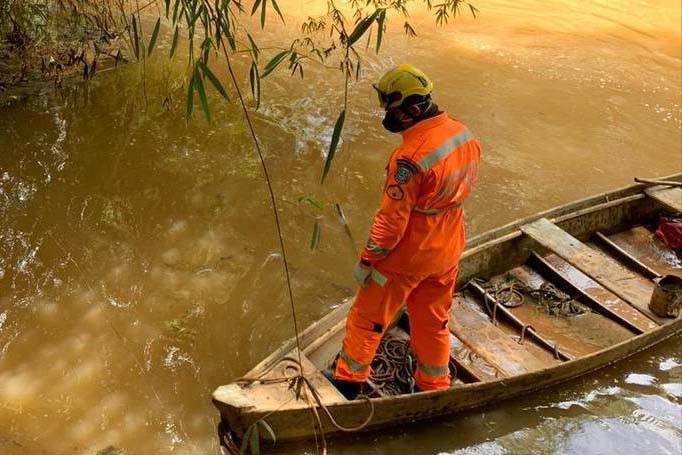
362	273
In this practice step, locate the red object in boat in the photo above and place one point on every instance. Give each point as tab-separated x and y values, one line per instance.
670	230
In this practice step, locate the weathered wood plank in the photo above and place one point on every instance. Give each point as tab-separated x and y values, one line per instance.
671	198
577	334
470	366
561	272
525	329
488	341
645	246
624	256
625	284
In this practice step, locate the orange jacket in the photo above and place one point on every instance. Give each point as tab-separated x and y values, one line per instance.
419	228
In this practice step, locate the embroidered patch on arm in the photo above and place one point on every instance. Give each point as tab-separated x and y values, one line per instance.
395	192
405	169
402	175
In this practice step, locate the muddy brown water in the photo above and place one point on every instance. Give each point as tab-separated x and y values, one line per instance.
139	267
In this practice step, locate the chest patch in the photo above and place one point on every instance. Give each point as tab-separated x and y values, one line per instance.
395	192
402	175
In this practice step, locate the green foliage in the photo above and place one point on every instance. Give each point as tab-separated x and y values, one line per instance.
317	232
273	63
251	439
254	78
206	71
362	26
155	34
336	136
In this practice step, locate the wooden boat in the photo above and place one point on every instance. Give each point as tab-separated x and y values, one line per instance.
600	250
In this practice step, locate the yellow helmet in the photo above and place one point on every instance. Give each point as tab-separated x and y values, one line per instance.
401	82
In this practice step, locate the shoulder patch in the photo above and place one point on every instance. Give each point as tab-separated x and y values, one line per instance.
409	164
402	175
404	170
395	192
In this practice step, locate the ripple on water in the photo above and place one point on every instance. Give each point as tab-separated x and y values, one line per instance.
674	389
668	364
640	379
487	448
657	408
584	401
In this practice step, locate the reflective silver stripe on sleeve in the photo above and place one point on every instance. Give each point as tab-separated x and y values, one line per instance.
427	211
432	370
439	152
352	364
436	211
376	249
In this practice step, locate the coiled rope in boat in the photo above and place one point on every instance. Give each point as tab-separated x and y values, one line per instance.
393	366
511	294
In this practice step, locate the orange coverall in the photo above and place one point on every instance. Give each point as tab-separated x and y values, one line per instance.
415	244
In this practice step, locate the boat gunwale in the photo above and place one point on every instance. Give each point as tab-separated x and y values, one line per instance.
559	213
676	325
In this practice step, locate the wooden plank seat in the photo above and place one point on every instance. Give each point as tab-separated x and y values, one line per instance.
645	246
278	395
630	287
670	198
488	341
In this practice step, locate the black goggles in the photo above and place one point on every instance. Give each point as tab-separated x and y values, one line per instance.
385	99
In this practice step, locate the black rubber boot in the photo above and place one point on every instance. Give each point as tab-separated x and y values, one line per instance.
348	389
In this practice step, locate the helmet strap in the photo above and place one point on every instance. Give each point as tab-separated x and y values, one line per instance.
420	110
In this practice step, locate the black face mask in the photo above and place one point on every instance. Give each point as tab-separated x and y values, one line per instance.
393	123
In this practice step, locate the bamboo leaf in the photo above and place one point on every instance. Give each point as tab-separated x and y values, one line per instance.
315	240
245	441
231	40
381	19
136	39
199	86
254	78
274	5
336	135
255	438
255	7
254	48
190	96
175	11
155	34
269	430
262	13
309	200
174	45
272	64
213	79
361	28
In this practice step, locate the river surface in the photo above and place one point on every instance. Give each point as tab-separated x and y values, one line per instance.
139	267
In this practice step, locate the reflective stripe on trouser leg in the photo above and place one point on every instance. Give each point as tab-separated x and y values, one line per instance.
373	309
428	306
432	370
353	365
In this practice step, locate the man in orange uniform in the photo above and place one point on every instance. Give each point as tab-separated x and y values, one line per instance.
417	235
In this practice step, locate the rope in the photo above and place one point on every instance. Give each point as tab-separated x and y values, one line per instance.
511	294
393	366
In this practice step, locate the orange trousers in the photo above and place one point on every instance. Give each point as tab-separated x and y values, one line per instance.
428	302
